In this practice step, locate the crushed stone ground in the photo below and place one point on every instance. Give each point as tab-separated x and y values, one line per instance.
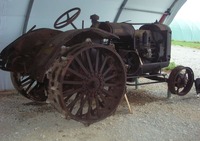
154	118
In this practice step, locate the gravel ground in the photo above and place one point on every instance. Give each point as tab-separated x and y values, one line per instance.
154	118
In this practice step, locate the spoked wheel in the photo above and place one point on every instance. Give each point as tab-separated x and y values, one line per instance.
89	85
28	87
180	80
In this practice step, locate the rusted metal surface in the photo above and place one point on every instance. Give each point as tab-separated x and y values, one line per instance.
52	49
20	54
87	84
18	57
84	72
28	87
181	80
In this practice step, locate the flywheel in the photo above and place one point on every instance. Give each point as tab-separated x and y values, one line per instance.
88	84
180	80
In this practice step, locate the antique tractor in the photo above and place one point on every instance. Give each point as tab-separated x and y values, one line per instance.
84	72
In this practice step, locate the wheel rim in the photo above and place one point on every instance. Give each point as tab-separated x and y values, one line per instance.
28	87
181	80
91	83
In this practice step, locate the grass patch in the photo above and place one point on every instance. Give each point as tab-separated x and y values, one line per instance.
186	44
171	66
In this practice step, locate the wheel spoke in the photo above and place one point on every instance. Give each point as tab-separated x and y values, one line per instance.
177	91
76	73
67	97
89	62
72	82
104	63
185	76
25	84
110	84
71	92
26	79
73	103
186	83
110	77
97	62
82	66
97	104
88	115
27	89
102	97
36	86
106	72
83	101
106	92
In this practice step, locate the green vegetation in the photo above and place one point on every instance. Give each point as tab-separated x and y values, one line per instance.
187	44
171	66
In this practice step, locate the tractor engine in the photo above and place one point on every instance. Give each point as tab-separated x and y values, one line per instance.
145	50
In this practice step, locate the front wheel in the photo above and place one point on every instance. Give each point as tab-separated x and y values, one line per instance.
180	80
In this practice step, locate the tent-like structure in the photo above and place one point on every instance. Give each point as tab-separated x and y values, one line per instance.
18	16
184	30
186	24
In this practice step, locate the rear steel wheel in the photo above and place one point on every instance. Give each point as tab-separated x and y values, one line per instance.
89	85
180	80
28	87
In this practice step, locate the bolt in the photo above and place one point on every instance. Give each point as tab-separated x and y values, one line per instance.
63	58
88	40
63	49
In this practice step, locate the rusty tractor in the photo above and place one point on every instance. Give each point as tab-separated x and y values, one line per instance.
84	72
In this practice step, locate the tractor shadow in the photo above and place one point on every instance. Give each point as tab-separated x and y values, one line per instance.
142	97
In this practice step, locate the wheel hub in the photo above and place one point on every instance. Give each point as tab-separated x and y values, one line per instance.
181	82
93	84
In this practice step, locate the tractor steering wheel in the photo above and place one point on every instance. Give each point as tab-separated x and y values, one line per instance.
60	24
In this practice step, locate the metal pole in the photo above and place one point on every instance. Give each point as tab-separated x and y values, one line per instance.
30	5
120	10
167	12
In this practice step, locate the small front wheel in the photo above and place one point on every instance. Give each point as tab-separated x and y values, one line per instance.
180	80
